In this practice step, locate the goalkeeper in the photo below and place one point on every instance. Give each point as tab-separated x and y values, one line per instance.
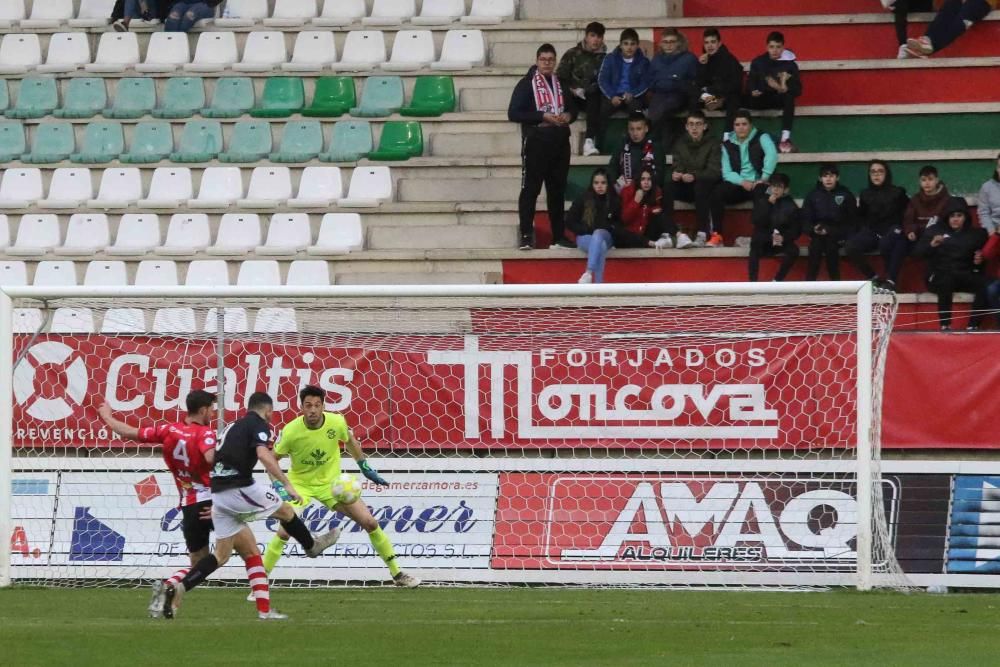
312	441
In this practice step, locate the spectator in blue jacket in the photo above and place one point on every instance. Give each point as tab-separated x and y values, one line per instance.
749	157
672	81
622	82
829	215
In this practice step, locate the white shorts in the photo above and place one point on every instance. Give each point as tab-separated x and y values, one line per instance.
234	508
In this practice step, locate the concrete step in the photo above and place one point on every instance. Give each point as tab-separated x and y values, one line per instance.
428	237
499	189
428	278
508	142
636	9
484	99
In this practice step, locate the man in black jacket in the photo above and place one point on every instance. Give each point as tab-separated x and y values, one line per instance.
774	83
776	228
880	226
720	77
953	249
545	112
828	214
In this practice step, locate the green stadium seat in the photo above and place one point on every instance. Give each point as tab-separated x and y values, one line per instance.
382	96
432	96
352	140
282	96
53	142
232	98
37	97
201	141
301	141
134	98
103	141
85	98
152	141
12	143
400	140
183	97
4	96
334	96
250	142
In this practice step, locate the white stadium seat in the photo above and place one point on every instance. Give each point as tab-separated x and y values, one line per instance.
13	273
20	188
60	273
363	50
72	321
4	232
269	187
215	52
221	187
314	50
370	186
490	11
287	234
124	321
339	234
242	13
106	274
239	233
11	12
19	53
156	273
116	52
291	13
93	14
390	12
69	188
120	187
462	50
167	51
48	14
137	234
412	50
259	273
187	234
306	272
86	234
36	236
170	188
319	187
264	50
68	52
205	272
439	12
338	13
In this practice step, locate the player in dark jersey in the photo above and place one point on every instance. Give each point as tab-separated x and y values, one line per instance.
238	499
189	452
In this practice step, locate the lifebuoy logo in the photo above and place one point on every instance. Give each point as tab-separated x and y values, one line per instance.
50	400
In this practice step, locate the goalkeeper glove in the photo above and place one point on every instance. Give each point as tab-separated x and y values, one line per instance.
371	474
280	488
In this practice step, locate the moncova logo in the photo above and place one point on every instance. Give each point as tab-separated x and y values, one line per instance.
52	400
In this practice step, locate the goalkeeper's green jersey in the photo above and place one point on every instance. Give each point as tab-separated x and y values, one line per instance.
315	452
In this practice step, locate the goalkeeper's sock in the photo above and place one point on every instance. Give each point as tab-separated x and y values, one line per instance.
384	548
272	554
200	572
177	576
299	532
258	583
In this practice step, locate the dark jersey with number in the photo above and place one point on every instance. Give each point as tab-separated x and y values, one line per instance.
236	457
184	447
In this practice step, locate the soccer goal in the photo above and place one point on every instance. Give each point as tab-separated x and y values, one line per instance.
623	435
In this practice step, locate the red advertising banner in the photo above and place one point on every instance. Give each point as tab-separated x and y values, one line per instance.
447	392
670	522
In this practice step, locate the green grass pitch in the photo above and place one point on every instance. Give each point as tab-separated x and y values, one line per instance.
500	626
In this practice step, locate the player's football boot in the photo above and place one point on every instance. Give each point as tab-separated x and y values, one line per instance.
272	616
323	542
156	600
172	599
405	580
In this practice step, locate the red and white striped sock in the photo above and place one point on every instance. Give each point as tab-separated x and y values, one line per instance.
177	576
258	583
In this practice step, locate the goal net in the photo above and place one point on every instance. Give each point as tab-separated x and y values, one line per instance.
671	435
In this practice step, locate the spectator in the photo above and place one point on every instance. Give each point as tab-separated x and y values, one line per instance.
777	226
901	10
185	14
720	78
545	114
749	157
696	173
991	263
828	215
951	21
671	80
645	223
638	151
926	208
145	10
593	217
578	70
954	252
774	83
989	202
622	83
880	226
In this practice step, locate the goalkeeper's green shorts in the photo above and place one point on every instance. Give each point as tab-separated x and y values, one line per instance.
321	494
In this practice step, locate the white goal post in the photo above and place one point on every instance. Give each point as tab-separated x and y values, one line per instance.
682	434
